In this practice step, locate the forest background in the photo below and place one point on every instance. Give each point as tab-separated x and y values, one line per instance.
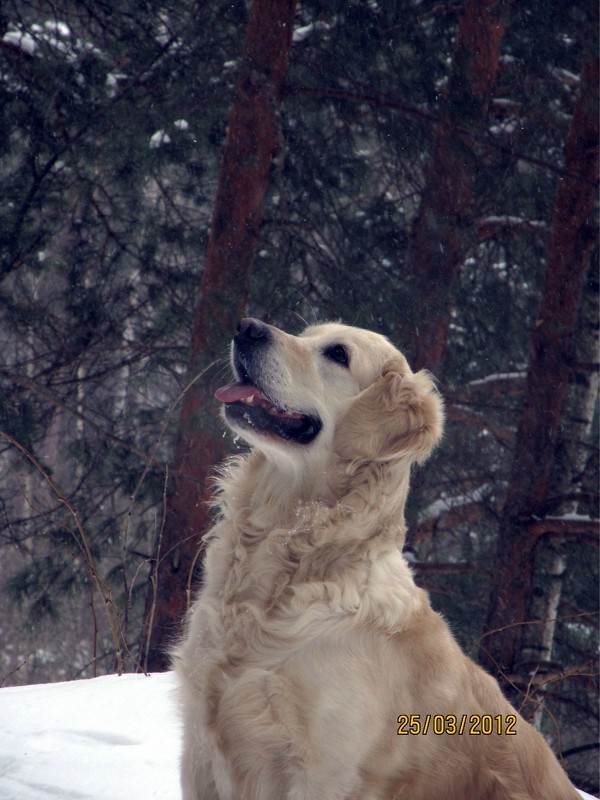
424	169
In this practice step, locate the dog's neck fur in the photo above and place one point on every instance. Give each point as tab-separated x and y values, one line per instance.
284	490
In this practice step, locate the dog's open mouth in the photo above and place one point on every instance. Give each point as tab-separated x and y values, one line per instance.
247	406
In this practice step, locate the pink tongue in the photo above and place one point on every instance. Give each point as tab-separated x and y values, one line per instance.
237	391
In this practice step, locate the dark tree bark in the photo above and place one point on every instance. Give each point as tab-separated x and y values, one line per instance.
444	228
252	142
572	238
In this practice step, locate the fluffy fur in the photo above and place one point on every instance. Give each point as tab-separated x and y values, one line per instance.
309	636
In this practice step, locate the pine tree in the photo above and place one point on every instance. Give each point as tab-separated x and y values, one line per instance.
252	143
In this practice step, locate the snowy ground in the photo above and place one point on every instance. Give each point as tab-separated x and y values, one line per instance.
102	739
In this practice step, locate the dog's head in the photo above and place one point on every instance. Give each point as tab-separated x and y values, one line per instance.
334	388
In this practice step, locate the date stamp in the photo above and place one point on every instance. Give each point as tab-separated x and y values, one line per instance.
450	724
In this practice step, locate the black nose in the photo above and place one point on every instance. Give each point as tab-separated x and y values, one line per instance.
252	331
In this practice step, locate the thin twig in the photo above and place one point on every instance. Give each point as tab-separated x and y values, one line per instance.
82	542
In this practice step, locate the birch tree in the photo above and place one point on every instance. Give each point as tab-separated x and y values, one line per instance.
572	239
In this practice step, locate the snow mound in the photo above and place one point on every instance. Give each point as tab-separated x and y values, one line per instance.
111	738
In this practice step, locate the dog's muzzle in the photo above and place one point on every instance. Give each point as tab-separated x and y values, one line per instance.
248	403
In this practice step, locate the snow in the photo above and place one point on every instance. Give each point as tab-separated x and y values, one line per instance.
566	77
110	738
507	127
304	31
498	376
505	103
20	40
113	78
59	28
447	502
572	516
510	221
159	138
301	33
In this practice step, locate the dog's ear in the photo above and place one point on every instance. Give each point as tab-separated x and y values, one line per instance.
400	415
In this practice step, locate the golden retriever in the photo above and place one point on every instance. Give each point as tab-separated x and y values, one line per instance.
313	668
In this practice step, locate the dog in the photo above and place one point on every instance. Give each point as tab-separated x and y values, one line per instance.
313	667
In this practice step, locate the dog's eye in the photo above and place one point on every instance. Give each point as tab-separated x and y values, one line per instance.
337	353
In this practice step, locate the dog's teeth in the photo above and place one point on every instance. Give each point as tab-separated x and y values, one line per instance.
249	399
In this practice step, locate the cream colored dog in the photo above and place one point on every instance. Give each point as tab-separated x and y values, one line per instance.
313	668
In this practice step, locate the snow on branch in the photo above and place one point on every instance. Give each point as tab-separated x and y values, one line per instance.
573	525
457	413
20	40
493	225
436	518
498	377
566	77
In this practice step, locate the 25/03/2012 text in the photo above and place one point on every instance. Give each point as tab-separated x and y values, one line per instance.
472	725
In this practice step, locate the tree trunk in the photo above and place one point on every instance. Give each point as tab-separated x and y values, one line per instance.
566	482
572	238
252	142
444	229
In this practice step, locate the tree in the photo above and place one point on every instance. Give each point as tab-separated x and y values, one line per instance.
108	198
566	494
252	143
444	230
572	240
